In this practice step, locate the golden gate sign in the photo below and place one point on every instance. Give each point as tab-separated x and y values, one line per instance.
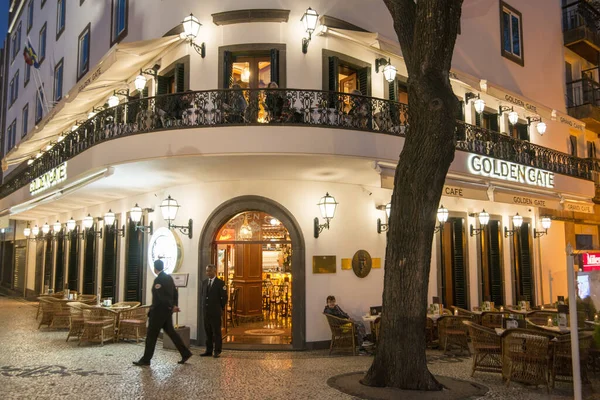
49	179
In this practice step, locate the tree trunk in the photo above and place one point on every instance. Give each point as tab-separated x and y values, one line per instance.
424	162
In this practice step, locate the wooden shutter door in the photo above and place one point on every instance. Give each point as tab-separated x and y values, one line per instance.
59	282
179	78
134	267
48	266
494	123
364	81
523	132
275	66
494	258
334	83
393	90
526	267
227	69
89	264
459	277
162	85
39	267
19	274
109	263
73	276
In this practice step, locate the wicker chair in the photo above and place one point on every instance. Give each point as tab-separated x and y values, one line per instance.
445	311
131	304
487	348
461	312
526	357
541	317
452	332
343	334
562	358
47	304
76	325
98	325
62	316
132	323
89	299
493	319
430	333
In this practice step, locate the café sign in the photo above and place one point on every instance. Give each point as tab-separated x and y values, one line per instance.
508	171
49	179
591	261
578	207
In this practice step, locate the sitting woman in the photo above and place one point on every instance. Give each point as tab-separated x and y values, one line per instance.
358	110
274	102
336	311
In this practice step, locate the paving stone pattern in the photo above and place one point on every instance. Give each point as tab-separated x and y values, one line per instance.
39	364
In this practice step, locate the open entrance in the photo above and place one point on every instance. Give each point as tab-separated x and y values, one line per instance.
253	254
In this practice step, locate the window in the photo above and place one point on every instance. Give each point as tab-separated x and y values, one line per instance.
345	74
397	90
58	80
120	12
42	46
43	2
11	135
61	10
591	149
27	75
39	105
487	120
30	15
25	119
573	140
13	89
519	131
16	42
83	52
511	33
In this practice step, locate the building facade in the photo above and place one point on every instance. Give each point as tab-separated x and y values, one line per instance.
148	110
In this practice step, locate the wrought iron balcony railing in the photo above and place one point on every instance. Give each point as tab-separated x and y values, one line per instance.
583	91
277	107
581	21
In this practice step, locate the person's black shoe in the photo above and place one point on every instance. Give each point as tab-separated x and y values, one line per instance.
205	354
141	363
185	358
217	355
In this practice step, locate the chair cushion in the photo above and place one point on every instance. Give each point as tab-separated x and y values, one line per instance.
133	321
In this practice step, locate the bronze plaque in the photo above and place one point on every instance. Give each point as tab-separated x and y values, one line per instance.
324	264
361	263
346	263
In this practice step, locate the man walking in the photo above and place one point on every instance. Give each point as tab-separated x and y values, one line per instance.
214	300
164	303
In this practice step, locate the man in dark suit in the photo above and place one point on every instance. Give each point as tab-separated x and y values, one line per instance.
164	304
214	300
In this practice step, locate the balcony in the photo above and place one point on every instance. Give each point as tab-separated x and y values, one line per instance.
583	101
279	107
581	29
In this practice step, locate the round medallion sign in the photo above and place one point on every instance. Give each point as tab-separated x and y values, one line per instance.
361	263
166	246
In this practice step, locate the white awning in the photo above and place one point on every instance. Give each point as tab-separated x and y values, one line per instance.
113	71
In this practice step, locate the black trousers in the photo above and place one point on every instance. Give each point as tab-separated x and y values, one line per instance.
212	327
162	320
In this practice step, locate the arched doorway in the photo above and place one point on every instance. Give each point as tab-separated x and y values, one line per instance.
231	213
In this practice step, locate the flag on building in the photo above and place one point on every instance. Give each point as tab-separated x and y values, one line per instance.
30	56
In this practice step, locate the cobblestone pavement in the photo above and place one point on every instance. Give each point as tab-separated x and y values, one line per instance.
39	364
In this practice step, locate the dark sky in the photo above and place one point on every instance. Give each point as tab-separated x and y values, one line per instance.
3	20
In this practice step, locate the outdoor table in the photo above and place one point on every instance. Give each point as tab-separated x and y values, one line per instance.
434	317
593	323
371	320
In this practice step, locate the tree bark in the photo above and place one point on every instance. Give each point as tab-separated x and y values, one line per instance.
427	33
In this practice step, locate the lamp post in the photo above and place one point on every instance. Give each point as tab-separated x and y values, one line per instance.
309	20
191	28
327	206
169	208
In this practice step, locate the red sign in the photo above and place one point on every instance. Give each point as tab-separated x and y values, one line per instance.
591	261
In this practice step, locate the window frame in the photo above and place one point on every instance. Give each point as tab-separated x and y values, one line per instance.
574	144
42	54
81	72
15	42
117	38
39	94
13	89
64	15
30	15
42	5
24	120
510	55
27	76
60	66
11	136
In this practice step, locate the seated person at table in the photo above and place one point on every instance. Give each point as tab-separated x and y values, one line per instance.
359	109
274	102
235	105
336	311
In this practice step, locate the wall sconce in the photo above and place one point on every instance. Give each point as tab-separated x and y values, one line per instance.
479	103
27	231
88	223
95	110
114	100
191	27
541	126
136	216
56	227
442	216
309	19
517	222
32	233
169	208
513	116
484	219
389	71
388	210
327	206
71	225
45	229
140	80
546	222
109	223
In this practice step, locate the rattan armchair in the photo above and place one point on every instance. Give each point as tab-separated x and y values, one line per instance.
47	305
132	304
487	348
343	334
89	299
132	323
526	357
461	312
541	317
61	319
493	319
76	323
562	358
452	332
98	325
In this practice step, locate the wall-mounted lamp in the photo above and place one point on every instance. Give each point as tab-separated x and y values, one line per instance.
484	219
513	116
389	71
114	100
32	233
517	222
169	208
191	28
541	126
442	216
136	216
309	19
95	110
327	206
109	223
71	225
88	223
546	222
479	103
45	229
56	227
140	80
388	210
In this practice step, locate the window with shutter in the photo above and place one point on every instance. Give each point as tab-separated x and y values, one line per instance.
523	268
491	263
89	264
364	81
275	66
522	132
179	78
134	268
60	263
393	90
48	261
7	267
478	120
227	69
459	277
73	274
162	85
39	267
109	263
334	82
573	140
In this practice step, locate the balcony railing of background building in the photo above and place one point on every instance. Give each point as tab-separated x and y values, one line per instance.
581	22
583	91
280	107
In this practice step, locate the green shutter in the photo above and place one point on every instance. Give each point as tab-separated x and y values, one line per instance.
109	263
7	261
60	263
89	264
275	66
73	277
526	269
48	261
334	83
162	85
227	69
393	90
495	262
364	81
477	119
39	267
179	78
134	267
459	278
523	132
494	122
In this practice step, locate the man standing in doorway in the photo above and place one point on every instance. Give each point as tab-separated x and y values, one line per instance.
164	303
214	300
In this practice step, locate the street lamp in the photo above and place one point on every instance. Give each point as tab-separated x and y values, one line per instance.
191	28
517	222
513	116
541	126
388	210
546	222
479	103
484	219
136	217
169	208
109	223
327	206
309	20
442	216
